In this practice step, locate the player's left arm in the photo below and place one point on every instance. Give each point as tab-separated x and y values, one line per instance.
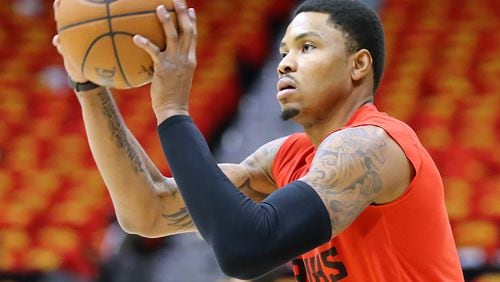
354	168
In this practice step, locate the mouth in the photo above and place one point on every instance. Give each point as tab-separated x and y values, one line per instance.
286	84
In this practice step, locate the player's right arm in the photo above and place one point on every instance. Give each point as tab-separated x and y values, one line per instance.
146	202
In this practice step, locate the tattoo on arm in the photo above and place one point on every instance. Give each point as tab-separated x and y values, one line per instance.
263	158
142	165
346	174
180	220
247	188
121	134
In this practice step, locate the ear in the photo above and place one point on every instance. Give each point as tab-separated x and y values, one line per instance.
361	64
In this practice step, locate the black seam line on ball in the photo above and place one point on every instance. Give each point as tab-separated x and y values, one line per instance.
113	43
97	39
90	48
98	1
110	17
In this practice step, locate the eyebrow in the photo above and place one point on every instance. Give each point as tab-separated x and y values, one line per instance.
301	36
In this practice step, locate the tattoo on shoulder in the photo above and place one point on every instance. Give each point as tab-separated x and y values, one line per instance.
346	172
263	158
180	219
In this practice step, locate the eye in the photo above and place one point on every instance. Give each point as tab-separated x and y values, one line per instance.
283	54
308	47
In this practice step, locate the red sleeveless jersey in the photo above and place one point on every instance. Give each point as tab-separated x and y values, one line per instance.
409	239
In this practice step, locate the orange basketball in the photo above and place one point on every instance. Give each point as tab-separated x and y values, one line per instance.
96	36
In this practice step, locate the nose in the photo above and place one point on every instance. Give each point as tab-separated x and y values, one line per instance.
287	65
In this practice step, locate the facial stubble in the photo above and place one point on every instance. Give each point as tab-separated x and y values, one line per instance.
289	113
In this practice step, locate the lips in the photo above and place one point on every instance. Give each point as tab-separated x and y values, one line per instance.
286	87
286	83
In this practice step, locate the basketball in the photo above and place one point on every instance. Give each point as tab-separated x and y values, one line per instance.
96	36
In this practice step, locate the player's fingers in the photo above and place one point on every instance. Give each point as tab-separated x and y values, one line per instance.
171	35
55	42
185	26
192	46
74	72
56	4
148	46
189	33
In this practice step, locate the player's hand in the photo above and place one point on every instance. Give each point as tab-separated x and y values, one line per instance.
174	67
74	73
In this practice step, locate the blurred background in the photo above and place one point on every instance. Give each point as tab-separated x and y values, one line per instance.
56	220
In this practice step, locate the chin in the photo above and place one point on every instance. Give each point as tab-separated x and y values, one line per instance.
288	114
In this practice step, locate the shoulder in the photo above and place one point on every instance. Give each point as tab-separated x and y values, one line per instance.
363	137
356	167
365	142
271	148
368	153
348	157
258	166
264	156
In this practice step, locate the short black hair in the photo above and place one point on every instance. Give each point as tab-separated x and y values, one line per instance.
360	25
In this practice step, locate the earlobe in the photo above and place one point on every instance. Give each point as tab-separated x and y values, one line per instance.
362	64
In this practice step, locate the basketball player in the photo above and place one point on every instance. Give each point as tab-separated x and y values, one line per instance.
354	198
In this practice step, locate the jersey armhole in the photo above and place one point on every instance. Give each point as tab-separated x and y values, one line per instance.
279	158
412	154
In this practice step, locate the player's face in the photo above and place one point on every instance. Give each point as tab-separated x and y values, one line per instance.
314	71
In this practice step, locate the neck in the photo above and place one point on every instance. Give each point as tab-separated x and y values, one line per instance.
339	117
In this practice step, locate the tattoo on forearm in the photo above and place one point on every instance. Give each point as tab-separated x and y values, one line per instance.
120	133
346	173
180	219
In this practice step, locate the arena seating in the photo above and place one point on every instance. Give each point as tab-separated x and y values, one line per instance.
442	77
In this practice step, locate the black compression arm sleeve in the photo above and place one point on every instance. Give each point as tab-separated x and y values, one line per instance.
249	239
